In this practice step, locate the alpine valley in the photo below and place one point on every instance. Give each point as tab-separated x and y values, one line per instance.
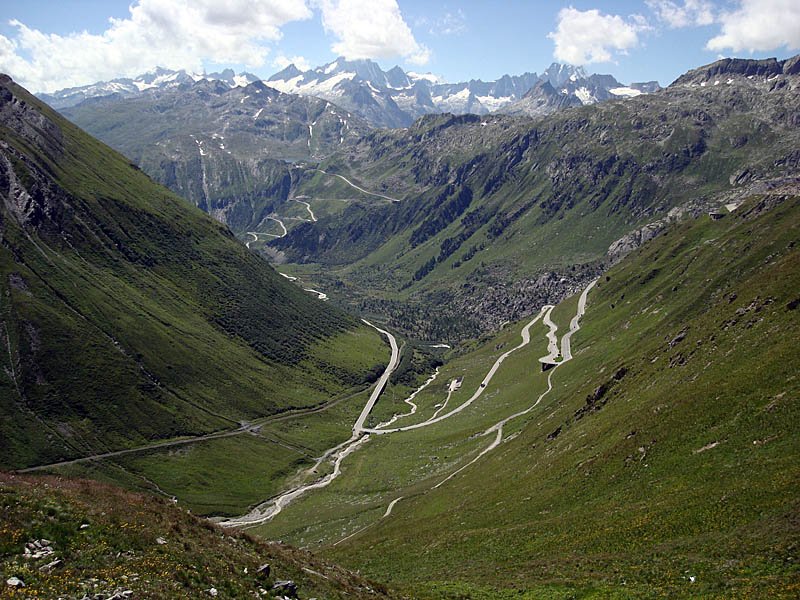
527	338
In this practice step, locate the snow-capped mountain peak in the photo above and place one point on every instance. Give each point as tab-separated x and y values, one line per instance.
392	98
158	78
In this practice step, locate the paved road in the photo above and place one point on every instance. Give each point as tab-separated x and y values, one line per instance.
255	235
566	349
552	338
269	509
279	222
360	189
358	428
308	208
526	338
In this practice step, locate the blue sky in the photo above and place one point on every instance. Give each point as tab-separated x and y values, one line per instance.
48	45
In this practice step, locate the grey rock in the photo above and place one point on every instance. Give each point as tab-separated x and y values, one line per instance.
287	588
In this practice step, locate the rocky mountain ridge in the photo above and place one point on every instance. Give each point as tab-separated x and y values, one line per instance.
737	69
127	87
395	98
392	98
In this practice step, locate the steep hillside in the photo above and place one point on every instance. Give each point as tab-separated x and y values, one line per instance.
128	316
663	462
73	538
497	212
226	150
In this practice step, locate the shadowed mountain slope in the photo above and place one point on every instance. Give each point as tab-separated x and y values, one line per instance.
129	316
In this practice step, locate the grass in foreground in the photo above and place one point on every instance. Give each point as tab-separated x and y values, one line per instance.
105	541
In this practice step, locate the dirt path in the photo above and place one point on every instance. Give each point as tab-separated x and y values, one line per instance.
410	402
252	428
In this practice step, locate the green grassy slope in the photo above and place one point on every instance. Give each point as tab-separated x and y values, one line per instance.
664	462
128	316
105	542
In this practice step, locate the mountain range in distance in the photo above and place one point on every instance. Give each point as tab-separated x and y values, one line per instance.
393	98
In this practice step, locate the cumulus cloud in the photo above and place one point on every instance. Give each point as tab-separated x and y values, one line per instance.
301	62
584	37
371	29
176	34
690	13
759	25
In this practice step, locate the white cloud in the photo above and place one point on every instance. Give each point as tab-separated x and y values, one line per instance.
177	34
759	25
370	29
301	62
690	13
451	23
583	37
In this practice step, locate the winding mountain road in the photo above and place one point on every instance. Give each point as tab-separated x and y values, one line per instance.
279	222
267	510
360	436
255	235
497	428
566	348
308	208
552	338
526	338
360	189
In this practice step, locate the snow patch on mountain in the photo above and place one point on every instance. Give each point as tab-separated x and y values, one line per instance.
627	92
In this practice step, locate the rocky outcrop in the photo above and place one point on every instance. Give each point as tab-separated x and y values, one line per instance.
28	192
740	68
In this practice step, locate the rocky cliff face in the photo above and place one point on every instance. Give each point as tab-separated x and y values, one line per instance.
729	70
28	193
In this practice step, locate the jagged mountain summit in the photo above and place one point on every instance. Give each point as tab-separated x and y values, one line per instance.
395	98
126	87
562	86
